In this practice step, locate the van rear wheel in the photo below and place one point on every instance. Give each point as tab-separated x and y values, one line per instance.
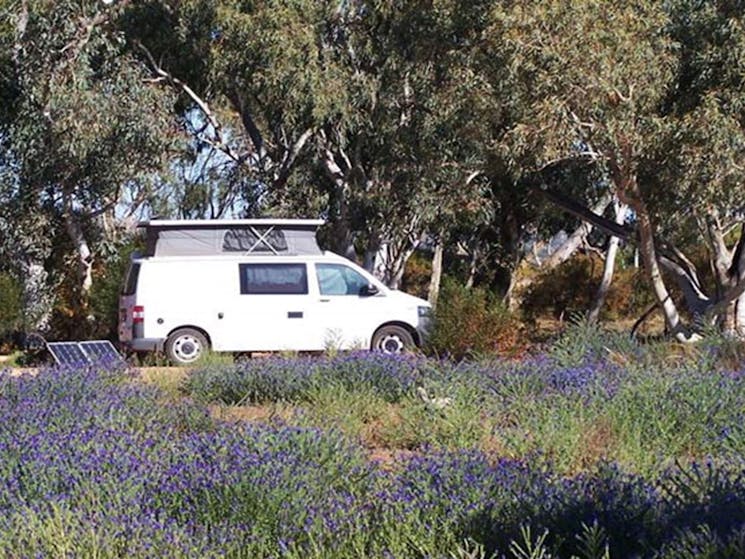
393	340
186	346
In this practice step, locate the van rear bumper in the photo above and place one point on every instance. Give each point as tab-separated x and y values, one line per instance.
146	344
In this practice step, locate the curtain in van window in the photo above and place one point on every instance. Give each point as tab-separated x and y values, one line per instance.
243	240
273	279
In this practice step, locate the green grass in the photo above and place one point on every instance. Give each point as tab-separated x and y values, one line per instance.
12	361
618	402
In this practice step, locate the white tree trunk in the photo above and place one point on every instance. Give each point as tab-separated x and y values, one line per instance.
376	259
575	240
473	266
396	263
83	252
629	193
38	297
395	274
436	278
608	268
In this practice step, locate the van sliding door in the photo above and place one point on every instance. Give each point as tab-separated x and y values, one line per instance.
271	309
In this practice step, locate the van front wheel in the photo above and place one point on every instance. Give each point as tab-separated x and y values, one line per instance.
393	339
186	346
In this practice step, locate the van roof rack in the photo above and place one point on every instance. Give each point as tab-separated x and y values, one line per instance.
202	237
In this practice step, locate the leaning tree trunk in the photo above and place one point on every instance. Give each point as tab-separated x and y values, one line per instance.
737	275
608	268
628	192
740	316
473	266
375	257
341	235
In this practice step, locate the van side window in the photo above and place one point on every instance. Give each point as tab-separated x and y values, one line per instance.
337	279
130	284
273	279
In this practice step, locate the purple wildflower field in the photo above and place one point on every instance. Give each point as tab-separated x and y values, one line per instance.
96	463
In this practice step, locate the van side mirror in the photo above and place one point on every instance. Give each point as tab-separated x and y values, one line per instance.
368	290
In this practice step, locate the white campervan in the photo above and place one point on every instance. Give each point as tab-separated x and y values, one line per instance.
253	286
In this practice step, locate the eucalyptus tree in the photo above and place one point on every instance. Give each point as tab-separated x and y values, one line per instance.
704	157
399	160
605	83
330	107
254	84
83	123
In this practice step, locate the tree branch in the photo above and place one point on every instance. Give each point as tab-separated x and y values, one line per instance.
722	255
290	156
585	214
218	142
737	269
250	127
21	26
723	303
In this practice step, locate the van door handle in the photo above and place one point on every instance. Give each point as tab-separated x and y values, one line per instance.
324	300
295	314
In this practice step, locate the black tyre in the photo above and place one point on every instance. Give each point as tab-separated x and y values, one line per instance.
393	340
186	346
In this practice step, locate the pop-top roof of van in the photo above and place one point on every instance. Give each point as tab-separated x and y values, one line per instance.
200	237
216	223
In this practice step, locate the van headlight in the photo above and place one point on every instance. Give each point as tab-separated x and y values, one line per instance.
423	312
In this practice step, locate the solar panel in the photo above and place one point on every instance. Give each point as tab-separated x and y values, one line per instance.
101	350
67	353
84	353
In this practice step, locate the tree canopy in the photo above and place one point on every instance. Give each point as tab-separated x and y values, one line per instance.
406	125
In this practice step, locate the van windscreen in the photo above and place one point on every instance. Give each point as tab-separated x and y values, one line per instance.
130	284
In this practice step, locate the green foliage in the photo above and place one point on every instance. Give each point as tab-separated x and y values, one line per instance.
596	396
470	322
107	286
417	276
11	306
530	547
100	463
722	351
85	126
393	120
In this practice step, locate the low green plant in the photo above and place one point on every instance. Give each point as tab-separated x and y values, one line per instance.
356	413
583	339
471	322
14	360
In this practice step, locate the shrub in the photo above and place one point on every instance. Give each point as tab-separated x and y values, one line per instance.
471	322
11	307
417	276
104	296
